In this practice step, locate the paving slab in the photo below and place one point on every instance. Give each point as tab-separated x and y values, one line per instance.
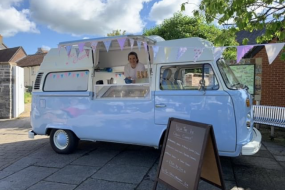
72	174
258	162
25	178
45	185
97	157
121	173
136	158
92	184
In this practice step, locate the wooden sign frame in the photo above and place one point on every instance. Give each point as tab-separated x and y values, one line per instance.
209	166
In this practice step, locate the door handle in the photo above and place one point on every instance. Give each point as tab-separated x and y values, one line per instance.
160	105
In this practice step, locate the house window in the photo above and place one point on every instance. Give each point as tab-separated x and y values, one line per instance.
188	77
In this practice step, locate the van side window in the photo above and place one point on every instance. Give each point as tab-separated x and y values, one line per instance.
66	81
187	77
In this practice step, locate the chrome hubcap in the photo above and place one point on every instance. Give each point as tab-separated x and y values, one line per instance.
60	139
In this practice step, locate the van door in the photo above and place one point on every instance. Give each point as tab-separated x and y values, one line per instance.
192	92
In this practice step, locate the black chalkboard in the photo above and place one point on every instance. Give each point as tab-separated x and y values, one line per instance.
189	153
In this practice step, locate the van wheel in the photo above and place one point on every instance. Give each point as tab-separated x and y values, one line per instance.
63	141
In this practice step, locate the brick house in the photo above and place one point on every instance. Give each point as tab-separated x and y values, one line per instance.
272	76
31	65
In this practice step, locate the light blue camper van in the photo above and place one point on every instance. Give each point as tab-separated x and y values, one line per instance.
80	94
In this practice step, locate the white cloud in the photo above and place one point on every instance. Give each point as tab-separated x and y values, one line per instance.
93	17
14	21
166	8
46	47
84	38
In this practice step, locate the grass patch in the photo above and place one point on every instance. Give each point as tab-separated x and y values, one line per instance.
28	98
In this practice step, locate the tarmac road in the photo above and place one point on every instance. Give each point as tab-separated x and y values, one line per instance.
32	164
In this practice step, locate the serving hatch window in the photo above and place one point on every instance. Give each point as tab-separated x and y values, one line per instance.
66	81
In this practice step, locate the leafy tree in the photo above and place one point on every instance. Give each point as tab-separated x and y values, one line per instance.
181	26
116	33
247	15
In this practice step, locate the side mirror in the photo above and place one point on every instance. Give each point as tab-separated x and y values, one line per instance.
202	86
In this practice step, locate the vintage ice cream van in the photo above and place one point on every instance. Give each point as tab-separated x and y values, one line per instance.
80	93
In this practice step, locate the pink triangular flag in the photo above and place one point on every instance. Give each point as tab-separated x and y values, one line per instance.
107	44
94	45
139	45
180	52
81	46
242	50
87	52
121	42
145	46
68	49
132	43
155	50
273	50
197	53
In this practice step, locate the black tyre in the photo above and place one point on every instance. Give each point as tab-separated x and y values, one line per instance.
63	141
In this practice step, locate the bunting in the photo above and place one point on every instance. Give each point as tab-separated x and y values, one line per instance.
198	52
167	51
155	50
107	44
93	46
132	43
68	49
273	50
77	52
218	52
139	45
145	46
81	47
242	50
180	52
121	43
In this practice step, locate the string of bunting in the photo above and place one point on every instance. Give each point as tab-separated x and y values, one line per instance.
272	49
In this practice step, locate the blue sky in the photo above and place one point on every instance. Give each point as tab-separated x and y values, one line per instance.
33	24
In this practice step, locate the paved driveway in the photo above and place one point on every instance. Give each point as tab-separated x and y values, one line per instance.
32	164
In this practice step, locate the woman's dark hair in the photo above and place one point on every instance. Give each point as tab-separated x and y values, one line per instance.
135	54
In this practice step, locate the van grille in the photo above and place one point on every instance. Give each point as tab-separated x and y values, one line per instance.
38	81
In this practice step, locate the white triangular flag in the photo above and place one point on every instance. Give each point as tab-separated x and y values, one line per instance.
197	53
139	45
107	44
167	52
132	43
273	50
77	52
145	46
155	50
94	45
180	52
218	52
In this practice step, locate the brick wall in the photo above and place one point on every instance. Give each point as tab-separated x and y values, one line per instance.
6	96
273	80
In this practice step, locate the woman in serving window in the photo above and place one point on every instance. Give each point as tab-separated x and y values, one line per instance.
132	68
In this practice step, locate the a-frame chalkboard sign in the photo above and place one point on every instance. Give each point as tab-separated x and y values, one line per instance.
189	153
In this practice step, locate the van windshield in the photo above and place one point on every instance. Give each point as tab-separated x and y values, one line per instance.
228	75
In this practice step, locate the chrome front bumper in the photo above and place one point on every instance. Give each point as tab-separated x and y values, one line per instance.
254	145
